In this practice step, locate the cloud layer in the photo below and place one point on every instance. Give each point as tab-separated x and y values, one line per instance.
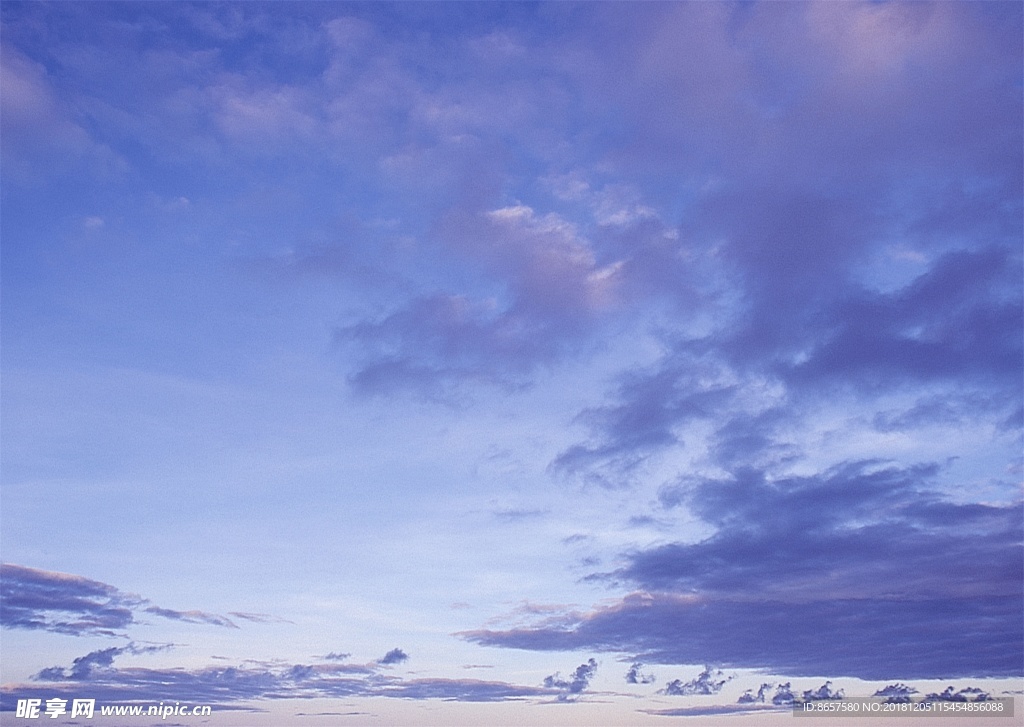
896	579
231	687
738	285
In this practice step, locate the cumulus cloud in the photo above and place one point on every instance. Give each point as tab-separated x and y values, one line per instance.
824	692
395	656
709	681
576	683
69	604
84	666
758	697
896	693
636	676
952	694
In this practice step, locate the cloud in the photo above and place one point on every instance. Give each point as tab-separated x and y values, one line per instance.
512	515
801	296
896	693
42	133
707	682
438	340
194	617
549	289
902	582
751	697
653	406
802	206
69	604
337	656
83	667
224	687
63	603
953	329
953	323
395	656
96	662
823	692
460	690
635	676
549	268
783	699
782	536
874	638
951	694
708	711
579	680
259	617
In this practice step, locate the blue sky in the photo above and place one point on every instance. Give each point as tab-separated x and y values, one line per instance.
510	363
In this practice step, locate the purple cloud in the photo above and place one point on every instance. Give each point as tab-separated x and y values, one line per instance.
951	694
709	711
575	684
552	288
63	603
875	638
783	535
861	555
758	697
896	693
395	656
193	617
69	604
636	676
258	617
795	207
337	656
225	687
707	682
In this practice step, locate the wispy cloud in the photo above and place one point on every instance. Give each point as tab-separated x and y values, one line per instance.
262	618
195	617
70	604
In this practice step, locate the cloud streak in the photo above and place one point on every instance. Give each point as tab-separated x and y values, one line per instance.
68	604
227	687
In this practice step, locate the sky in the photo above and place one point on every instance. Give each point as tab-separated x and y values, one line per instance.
510	363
